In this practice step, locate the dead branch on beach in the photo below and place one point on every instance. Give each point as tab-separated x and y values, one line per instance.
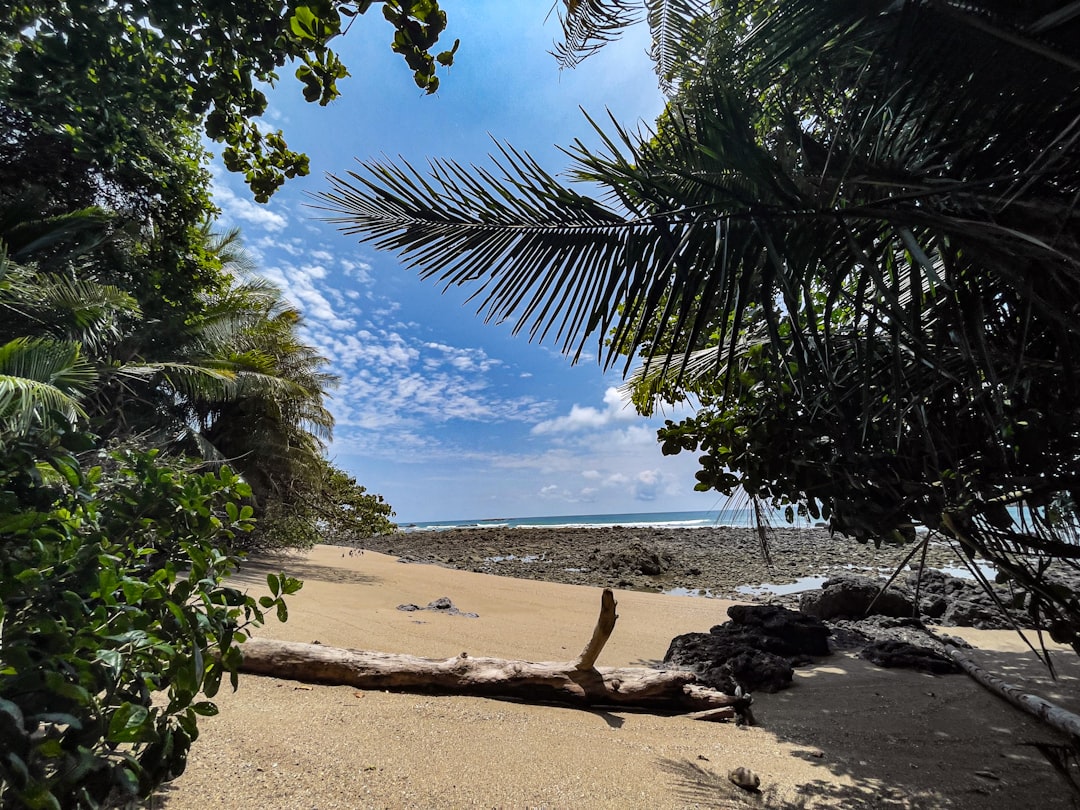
1057	718
575	683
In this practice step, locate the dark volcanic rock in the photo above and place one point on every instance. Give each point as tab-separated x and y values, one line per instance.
756	650
634	557
440	605
800	634
851	597
955	602
727	662
901	654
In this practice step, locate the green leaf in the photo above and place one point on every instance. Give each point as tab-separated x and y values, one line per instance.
60	718
302	23
205	708
129	724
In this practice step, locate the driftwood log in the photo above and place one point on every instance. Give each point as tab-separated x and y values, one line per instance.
575	683
1053	715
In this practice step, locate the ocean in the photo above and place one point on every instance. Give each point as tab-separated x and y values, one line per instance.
743	517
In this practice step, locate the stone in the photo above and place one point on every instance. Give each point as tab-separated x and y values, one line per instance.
757	650
801	634
744	778
728	662
633	558
851	597
901	654
440	605
955	602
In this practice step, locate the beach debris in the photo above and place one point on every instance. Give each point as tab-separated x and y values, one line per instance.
744	778
577	683
440	605
1049	713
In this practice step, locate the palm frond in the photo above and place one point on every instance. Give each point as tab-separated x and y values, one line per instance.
679	31
41	382
676	27
589	24
27	235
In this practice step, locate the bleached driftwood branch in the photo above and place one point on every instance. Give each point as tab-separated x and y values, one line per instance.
1054	716
576	683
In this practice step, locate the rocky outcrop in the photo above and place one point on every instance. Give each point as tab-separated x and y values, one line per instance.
905	655
943	600
954	602
756	651
632	558
852	597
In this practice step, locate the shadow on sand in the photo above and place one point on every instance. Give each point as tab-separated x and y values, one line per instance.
253	571
898	739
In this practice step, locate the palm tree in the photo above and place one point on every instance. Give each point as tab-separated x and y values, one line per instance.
225	377
275	422
229	381
872	207
49	321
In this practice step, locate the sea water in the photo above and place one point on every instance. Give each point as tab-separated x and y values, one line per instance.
742	518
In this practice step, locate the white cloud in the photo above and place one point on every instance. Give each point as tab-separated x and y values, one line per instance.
554	492
238	209
647	485
464	360
300	285
582	418
358	270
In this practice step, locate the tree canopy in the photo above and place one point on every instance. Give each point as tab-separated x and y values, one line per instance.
113	78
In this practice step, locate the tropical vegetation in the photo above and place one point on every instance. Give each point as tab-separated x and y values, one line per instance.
160	412
851	239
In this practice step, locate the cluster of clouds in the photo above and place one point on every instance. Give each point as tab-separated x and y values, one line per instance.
452	411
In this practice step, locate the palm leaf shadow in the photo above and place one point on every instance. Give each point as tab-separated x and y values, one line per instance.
707	788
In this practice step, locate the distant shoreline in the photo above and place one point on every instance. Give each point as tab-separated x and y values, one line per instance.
706	519
718	561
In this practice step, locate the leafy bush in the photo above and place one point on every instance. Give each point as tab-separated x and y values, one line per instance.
116	626
332	509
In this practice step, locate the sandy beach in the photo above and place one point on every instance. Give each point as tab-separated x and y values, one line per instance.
846	735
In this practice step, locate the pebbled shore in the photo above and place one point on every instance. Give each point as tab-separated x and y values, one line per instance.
715	561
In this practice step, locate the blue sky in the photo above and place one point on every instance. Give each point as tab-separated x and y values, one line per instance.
445	416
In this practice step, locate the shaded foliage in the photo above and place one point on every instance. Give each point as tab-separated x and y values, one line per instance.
111	593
